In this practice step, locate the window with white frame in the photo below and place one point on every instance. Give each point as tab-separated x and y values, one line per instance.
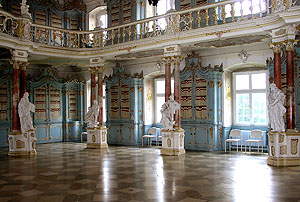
98	18
160	96
250	98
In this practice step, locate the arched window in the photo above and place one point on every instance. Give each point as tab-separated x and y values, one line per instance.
98	18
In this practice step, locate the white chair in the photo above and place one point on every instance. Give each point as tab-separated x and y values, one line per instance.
237	135
257	134
152	133
83	133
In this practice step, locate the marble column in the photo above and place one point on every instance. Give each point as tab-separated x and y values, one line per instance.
177	93
23	78
167	61
15	97
100	95
290	93
93	84
277	64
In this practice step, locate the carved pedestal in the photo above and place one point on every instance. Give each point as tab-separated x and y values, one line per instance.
97	138
172	142
284	148
22	144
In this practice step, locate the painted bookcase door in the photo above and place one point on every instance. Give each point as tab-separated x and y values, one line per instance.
124	108
201	105
74	116
5	107
46	94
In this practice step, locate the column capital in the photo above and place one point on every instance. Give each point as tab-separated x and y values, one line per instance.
178	59
167	60
276	46
289	44
101	69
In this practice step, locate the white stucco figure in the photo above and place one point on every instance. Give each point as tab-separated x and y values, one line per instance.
24	109
91	117
25	9
276	108
168	110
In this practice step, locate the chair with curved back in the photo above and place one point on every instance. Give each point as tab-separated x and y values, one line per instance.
234	136
258	135
152	133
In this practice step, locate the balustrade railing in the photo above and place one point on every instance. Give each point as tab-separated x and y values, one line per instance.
170	23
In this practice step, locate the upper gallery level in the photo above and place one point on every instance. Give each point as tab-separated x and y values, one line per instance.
197	24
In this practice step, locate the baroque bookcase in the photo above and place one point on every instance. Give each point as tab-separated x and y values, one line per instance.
201	114
124	101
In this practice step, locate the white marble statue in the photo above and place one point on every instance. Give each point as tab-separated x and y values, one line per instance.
25	9
91	117
24	109
168	110
276	108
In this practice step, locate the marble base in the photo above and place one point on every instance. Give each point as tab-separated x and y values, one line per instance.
284	148
172	142
97	138
22	144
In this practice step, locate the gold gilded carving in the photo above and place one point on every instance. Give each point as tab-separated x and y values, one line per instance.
273	150
170	49
294	146
181	140
271	138
140	89
33	145
211	84
169	143
283	149
20	144
280	32
211	133
219	84
281	138
103	136
94	138
276	47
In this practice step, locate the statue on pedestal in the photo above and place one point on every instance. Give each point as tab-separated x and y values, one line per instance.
276	108
24	109
168	110
91	117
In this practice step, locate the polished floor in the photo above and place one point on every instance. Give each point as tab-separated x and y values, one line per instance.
70	172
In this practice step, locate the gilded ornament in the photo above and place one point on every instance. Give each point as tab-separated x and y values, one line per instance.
294	146
281	138
273	150
93	138
169	142
283	149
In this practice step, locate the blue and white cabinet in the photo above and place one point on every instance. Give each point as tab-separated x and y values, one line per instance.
58	107
5	104
201	116
124	103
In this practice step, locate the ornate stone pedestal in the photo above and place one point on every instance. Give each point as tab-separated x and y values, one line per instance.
22	144
97	138
284	148
172	142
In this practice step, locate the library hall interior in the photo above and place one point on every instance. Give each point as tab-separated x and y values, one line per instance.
150	100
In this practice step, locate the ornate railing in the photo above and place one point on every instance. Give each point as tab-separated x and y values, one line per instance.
171	23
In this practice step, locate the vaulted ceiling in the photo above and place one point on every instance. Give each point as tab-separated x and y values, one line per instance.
92	4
